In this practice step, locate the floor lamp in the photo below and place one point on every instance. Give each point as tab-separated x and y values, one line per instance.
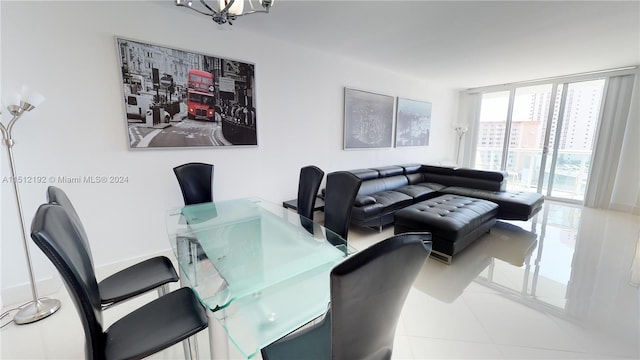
40	308
460	129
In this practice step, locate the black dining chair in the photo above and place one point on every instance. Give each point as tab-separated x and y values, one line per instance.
155	273
196	182
149	329
308	186
368	291
340	194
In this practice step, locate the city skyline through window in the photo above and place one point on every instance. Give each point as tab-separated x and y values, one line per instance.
533	135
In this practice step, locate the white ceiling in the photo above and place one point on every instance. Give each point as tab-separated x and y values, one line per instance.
462	44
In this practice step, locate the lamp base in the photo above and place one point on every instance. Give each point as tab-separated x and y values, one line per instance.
36	311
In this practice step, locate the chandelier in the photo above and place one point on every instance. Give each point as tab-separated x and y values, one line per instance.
225	11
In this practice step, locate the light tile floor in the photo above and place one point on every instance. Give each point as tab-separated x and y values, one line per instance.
564	285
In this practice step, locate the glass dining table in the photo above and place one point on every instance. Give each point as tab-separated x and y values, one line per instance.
260	269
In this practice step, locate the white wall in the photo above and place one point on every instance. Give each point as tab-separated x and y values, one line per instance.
66	50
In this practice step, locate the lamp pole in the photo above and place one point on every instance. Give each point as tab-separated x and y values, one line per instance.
460	129
39	308
460	135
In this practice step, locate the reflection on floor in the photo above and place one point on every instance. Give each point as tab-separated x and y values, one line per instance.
563	285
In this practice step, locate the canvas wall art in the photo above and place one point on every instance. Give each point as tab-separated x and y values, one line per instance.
176	98
368	120
413	122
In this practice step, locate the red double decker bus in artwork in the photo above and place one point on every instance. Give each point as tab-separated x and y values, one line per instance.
200	102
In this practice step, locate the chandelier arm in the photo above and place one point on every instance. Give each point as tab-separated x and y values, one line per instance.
253	12
208	7
199	11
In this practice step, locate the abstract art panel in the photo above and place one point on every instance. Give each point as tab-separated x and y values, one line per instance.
368	120
413	122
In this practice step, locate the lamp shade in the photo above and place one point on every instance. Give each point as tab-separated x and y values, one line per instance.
31	96
12	99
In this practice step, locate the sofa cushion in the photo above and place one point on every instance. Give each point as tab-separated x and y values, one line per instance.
392	200
463	177
482	174
387	171
363	213
374	186
418	179
363	200
418	192
415	178
446	180
461	181
481	179
365	174
477	183
432	186
438	170
385	202
411	168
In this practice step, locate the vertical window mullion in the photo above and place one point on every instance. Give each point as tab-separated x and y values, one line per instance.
507	129
547	136
556	144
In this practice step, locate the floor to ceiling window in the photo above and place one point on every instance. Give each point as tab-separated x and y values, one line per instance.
493	122
542	135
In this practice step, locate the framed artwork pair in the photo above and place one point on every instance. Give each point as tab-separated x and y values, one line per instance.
369	120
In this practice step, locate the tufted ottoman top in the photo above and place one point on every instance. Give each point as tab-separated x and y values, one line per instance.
448	217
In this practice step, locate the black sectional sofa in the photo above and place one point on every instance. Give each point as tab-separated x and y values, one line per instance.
385	190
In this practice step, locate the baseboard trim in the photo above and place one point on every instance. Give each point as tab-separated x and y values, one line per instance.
20	294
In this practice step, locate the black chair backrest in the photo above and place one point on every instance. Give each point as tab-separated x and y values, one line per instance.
58	237
55	195
308	186
196	182
368	291
340	194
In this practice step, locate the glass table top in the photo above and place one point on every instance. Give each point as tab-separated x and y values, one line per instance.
263	269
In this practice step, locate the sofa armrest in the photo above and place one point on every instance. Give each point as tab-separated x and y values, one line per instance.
364	200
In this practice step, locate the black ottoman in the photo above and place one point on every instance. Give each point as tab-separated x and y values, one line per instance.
454	222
